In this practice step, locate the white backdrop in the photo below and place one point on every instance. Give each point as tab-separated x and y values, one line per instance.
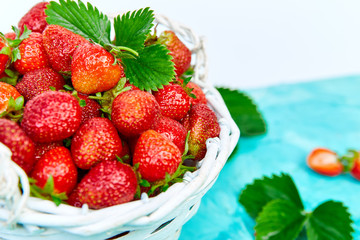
254	43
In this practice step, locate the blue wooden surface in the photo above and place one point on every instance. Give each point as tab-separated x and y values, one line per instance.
300	117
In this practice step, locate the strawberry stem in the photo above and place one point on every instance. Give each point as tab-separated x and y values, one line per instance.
118	50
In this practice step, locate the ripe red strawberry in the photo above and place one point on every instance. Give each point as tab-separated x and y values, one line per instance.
42	148
21	146
198	92
125	154
10	35
93	69
7	91
173	100
95	141
156	156
106	184
58	163
38	81
33	55
51	116
5	54
133	112
90	110
325	162
180	53
202	124
60	44
171	129
34	19
355	171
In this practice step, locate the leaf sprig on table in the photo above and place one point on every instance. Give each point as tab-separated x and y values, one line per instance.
147	67
244	112
276	205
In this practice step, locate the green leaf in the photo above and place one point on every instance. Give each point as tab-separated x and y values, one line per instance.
330	221
11	77
19	103
131	29
68	87
82	103
152	69
244	112
348	160
262	191
6	51
144	183
86	21
11	103
279	220
19	38
16	55
26	33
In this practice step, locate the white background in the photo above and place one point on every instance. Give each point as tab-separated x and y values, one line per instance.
252	43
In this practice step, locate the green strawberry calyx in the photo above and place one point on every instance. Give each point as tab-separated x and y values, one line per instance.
14	110
47	192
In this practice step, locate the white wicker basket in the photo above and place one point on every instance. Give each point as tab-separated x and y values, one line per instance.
160	217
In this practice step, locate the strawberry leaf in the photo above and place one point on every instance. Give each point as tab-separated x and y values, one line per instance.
331	221
81	19
152	69
11	77
16	55
19	103
6	51
244	112
144	183
276	187
280	219
131	29
47	192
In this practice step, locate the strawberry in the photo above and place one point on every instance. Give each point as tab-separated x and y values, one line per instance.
7	91
133	112
173	101
355	171
51	116
325	162
38	81
58	163
125	155
180	53
21	146
42	148
106	184
198	92
33	55
34	19
91	108
60	44
93	69
10	35
95	141
202	124
171	129
156	156
5	53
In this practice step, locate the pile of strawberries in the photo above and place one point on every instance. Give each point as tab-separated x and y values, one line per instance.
81	131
